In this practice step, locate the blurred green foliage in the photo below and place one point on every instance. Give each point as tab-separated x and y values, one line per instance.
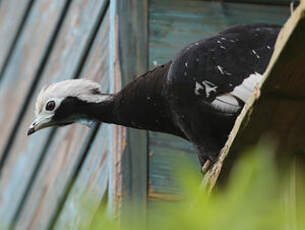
257	197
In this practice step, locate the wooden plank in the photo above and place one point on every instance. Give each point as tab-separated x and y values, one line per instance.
64	61
69	144
132	25
279	110
11	15
24	63
164	160
15	85
90	186
172	26
118	133
92	181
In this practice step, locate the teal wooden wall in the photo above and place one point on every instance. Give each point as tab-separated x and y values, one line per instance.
44	177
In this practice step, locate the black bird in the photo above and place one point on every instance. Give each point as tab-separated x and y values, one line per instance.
196	96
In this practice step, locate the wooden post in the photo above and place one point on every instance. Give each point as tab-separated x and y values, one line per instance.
128	180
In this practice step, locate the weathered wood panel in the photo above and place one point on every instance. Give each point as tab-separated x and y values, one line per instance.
25	156
90	185
15	86
67	148
174	24
19	75
12	13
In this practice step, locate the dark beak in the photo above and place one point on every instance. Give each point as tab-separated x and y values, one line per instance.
30	131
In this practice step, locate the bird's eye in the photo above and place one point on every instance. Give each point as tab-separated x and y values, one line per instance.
50	105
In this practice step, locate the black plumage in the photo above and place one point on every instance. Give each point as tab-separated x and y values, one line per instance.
197	96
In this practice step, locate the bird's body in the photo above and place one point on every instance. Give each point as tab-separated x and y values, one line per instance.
197	96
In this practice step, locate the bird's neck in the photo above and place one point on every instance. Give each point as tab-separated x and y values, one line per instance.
141	104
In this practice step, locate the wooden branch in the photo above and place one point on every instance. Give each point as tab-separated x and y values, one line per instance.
278	104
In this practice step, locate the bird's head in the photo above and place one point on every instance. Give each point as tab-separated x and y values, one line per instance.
63	103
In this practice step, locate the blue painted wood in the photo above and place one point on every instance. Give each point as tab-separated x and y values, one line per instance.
69	143
63	63
90	185
11	14
174	24
24	63
15	85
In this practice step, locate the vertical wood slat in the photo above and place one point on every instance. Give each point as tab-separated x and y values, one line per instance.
20	73
174	24
133	53
70	143
15	85
12	14
91	182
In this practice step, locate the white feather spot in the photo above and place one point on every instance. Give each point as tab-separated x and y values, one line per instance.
227	73
220	69
209	87
197	43
232	41
268	47
185	73
255	53
185	64
222	47
226	103
223	38
197	88
155	63
219	42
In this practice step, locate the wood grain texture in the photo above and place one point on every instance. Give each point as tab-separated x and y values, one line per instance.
68	146
11	15
90	185
15	85
172	26
133	53
63	64
279	111
24	63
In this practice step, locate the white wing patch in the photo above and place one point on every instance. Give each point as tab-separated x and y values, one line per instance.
197	88
229	103
226	103
245	89
208	86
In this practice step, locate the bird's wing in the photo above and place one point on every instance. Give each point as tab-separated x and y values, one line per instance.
225	69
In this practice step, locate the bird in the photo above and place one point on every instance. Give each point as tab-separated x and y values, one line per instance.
197	95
